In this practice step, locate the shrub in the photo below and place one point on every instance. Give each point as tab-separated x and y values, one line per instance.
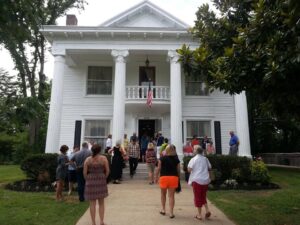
40	167
6	147
21	147
230	167
14	147
259	172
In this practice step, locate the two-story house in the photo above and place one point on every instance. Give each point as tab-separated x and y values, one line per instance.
102	75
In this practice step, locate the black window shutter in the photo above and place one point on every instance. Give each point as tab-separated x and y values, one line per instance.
77	134
218	144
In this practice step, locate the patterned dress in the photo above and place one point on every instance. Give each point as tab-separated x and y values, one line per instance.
95	184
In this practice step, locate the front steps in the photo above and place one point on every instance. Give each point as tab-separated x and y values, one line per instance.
141	172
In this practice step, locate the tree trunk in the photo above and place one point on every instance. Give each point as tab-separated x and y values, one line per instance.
34	128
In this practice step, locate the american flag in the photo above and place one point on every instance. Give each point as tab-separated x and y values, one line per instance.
149	96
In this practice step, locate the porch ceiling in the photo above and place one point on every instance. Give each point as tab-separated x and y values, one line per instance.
79	56
157	108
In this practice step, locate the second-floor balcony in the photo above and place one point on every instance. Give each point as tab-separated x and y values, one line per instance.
141	92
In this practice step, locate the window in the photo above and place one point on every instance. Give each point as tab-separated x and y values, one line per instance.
99	81
199	128
96	131
194	86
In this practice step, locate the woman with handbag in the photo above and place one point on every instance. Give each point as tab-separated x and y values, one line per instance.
199	167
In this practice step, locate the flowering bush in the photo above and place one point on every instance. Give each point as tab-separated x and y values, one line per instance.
231	183
259	172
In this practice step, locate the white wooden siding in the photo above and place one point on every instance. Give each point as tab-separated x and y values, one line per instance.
78	106
215	107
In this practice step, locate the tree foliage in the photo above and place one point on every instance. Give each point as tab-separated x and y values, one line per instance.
20	23
252	45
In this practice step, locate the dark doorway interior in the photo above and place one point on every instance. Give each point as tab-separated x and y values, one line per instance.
148	127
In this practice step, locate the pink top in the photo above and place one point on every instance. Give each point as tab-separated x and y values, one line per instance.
210	149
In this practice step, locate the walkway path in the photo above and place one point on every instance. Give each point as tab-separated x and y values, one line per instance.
135	202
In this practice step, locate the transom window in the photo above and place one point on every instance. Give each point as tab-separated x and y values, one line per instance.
198	128
194	86
99	81
96	131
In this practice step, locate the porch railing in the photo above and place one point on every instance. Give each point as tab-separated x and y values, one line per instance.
141	92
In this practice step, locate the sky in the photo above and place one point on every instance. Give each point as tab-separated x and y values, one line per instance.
98	11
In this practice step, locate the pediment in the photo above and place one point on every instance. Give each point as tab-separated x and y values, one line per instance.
145	14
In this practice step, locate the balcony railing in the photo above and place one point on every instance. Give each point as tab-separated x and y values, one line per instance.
141	92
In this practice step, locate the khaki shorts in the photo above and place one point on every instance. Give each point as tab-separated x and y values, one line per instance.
151	167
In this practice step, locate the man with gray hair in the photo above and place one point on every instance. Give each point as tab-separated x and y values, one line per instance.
78	159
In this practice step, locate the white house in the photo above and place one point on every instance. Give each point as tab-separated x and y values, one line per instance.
101	80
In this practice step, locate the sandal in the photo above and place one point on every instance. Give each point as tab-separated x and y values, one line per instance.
162	213
198	218
173	216
207	215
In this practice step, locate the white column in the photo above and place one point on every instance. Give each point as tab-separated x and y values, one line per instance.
242	126
119	94
54	121
176	105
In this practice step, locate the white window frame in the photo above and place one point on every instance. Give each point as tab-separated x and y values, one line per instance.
194	95
85	138
87	75
186	120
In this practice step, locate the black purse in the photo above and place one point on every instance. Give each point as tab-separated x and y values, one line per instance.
178	189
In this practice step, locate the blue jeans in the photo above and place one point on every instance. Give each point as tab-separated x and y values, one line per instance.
80	183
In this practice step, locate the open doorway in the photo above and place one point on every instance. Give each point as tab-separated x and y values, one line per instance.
147	127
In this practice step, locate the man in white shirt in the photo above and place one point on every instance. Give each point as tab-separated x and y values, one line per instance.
108	144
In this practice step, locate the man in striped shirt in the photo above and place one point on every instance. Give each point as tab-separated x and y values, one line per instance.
134	155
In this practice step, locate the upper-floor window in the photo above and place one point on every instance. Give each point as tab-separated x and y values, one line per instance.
194	86
99	81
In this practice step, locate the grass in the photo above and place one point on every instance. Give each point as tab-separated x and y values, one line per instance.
271	207
266	207
35	208
10	173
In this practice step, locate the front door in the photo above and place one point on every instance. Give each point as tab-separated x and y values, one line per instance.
147	74
146	78
147	127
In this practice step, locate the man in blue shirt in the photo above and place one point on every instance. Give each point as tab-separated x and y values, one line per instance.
234	144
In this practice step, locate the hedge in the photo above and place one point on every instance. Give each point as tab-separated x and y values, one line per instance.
240	169
40	167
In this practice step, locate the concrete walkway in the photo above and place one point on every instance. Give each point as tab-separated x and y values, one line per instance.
135	202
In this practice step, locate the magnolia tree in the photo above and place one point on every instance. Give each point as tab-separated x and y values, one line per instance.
253	45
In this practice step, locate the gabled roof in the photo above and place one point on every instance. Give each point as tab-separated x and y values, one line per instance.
145	14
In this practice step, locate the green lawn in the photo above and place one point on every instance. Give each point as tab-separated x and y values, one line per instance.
22	208
10	173
271	207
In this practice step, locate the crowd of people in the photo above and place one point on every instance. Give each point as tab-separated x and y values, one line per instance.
91	170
